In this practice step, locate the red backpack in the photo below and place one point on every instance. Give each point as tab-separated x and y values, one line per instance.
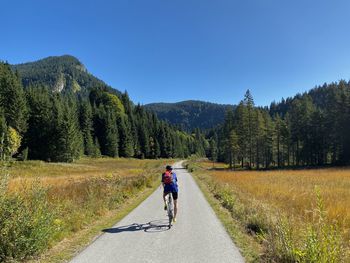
168	178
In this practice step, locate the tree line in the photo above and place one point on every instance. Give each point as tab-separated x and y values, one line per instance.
38	123
307	130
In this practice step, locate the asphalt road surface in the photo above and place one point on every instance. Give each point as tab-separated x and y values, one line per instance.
143	235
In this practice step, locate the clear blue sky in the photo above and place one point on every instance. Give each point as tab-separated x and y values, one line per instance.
173	50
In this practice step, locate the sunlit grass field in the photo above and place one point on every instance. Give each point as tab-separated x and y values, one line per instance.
63	174
289	194
43	203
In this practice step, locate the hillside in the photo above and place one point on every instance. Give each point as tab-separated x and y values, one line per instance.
43	120
190	114
60	74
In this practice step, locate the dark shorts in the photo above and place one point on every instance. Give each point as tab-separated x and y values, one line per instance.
174	194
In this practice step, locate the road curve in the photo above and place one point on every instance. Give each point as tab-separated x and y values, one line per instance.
142	236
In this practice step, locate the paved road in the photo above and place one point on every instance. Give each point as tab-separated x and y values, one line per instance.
142	236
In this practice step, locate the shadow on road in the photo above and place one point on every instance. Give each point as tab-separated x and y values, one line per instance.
150	227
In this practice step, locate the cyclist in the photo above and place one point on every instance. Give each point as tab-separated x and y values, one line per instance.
169	181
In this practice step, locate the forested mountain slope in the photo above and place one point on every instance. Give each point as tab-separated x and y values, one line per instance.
54	110
190	114
60	74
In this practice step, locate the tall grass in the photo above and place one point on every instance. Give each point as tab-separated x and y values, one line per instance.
297	216
43	203
26	222
318	241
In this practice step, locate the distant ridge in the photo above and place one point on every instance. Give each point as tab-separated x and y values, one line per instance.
191	114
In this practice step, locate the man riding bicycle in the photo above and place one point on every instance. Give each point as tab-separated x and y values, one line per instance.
169	181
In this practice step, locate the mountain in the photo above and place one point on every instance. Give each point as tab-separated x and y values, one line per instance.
190	114
60	74
44	120
66	73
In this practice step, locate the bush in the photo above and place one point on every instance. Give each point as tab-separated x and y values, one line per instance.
26	222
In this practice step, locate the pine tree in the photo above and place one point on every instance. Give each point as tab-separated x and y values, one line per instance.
4	154
268	139
69	144
40	133
249	103
12	99
278	139
242	128
86	125
213	148
233	148
144	140
199	143
126	148
260	137
111	134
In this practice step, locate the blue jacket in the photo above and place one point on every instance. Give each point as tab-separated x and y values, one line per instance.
173	187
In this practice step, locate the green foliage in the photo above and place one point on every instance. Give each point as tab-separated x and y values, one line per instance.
114	102
23	156
26	222
64	112
309	129
233	148
12	99
190	114
10	140
86	125
107	131
13	141
69	138
125	137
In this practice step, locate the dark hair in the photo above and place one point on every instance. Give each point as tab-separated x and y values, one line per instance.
168	168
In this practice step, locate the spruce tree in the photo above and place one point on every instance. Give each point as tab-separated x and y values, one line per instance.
12	99
249	103
4	155
144	140
111	135
126	148
41	123
233	148
69	144
86	125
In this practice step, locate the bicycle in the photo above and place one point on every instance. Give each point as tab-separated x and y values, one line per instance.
170	209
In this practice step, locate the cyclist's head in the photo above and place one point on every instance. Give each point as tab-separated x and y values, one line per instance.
168	168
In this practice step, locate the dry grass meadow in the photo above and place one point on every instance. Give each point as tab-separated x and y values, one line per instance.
64	174
311	205
43	203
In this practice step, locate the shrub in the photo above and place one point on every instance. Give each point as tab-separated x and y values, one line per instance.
26	222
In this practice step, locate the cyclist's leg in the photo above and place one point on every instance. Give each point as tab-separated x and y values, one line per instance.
175	196
164	195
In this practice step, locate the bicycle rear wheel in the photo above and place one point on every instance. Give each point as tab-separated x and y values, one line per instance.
170	210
